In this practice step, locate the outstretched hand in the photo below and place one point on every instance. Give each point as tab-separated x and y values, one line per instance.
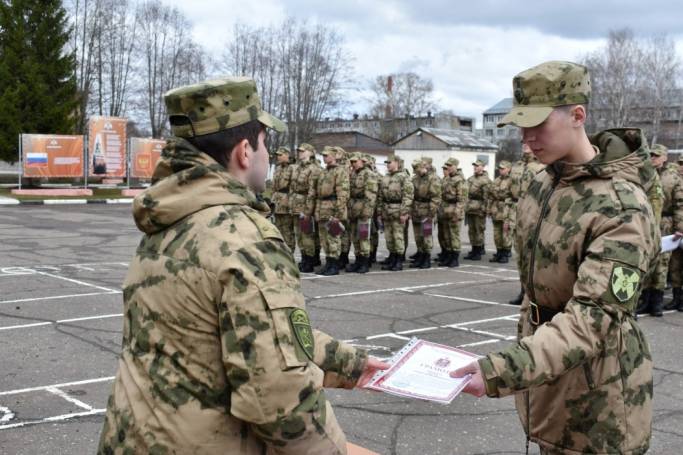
372	367
476	385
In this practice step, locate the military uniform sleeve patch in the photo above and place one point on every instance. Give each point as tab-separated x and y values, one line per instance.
301	325
624	283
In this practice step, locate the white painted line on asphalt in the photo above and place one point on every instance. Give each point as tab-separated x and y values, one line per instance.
388	335
465	299
58	386
58	418
377	291
62	394
479	343
61	321
58	297
6	414
71	280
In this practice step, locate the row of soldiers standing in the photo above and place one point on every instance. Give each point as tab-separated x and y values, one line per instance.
348	202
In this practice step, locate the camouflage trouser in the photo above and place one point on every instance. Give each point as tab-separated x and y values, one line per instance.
360	247
450	231
393	233
676	268
306	241
285	223
657	276
423	242
476	226
502	239
346	241
330	244
374	236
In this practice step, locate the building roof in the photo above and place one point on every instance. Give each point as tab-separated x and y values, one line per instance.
501	107
456	138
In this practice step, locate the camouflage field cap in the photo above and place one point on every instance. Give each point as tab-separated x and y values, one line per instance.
541	88
216	105
366	158
417	162
355	156
451	162
282	150
341	153
329	150
504	165
304	147
427	160
479	163
659	150
392	158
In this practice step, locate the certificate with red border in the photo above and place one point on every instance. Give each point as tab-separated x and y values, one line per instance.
421	370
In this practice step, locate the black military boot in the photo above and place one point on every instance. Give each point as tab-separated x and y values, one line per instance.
472	253
426	261
397	265
656	303
351	268
496	257
364	266
418	260
306	265
442	254
315	259
332	267
389	262
504	257
413	256
373	257
676	301
323	270
444	257
517	300
644	302
454	259
478	251
343	260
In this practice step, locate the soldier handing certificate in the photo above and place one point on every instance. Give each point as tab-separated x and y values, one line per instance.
420	370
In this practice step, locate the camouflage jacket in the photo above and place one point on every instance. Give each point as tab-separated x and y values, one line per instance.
332	193
217	354
588	238
453	197
672	204
364	188
478	187
302	189
426	196
500	205
395	195
282	180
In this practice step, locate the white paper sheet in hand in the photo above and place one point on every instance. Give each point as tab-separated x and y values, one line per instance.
669	243
421	370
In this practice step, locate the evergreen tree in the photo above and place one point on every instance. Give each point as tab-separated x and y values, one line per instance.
37	84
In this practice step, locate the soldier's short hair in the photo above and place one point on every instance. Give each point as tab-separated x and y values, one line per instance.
219	145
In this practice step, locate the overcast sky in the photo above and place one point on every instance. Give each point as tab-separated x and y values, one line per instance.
470	49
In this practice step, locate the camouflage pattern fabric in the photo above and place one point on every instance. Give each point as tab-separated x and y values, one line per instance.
500	208
302	196
583	380
284	220
218	355
395	199
519	187
333	196
426	203
478	187
364	188
452	210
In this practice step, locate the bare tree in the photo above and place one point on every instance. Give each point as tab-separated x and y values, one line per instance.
401	94
661	71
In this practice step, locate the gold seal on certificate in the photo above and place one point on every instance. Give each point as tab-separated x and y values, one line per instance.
420	370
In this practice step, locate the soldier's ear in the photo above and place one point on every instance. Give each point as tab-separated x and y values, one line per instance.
241	155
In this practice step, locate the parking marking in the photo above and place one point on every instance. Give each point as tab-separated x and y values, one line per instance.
61	321
71	280
57	297
58	418
62	394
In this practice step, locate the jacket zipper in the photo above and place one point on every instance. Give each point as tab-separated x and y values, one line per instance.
532	293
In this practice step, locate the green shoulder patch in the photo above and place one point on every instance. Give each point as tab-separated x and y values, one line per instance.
301	326
624	283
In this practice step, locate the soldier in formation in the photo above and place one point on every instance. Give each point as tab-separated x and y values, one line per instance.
426	203
500	208
363	199
588	237
478	187
302	198
394	201
282	213
332	196
218	355
451	212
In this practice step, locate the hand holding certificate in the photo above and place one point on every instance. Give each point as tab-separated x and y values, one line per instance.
421	370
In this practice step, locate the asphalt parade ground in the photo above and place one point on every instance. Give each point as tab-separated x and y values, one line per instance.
61	270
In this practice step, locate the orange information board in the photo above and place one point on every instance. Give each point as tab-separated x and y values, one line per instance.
107	147
50	155
144	154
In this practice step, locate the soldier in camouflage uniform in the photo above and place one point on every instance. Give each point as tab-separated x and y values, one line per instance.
500	208
521	175
218	355
364	187
331	208
369	162
652	298
581	370
451	212
395	200
343	161
302	196
478	187
280	197
426	203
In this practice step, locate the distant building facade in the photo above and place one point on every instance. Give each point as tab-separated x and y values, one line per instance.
492	116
